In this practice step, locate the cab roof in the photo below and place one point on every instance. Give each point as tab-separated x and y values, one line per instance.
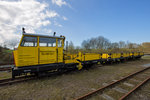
40	35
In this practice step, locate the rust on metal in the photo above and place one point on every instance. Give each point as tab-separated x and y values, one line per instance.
16	80
1	64
5	69
110	85
130	92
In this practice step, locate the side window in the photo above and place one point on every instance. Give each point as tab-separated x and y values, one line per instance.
29	41
59	42
47	42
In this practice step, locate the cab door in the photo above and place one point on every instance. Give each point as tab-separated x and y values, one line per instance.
28	51
47	50
60	50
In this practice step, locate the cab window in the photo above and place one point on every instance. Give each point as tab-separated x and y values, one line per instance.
59	42
47	42
29	41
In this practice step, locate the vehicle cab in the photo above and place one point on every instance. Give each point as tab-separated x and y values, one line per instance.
35	49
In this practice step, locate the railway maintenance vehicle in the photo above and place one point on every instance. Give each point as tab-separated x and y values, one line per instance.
38	54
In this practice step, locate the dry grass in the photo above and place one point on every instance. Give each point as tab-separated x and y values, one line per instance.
4	75
146	57
71	85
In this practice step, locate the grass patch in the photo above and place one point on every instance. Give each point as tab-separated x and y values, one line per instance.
146	57
5	75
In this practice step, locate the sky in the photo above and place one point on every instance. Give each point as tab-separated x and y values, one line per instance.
77	20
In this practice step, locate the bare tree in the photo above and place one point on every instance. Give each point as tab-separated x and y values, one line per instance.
115	45
86	44
71	47
96	43
102	44
92	43
122	44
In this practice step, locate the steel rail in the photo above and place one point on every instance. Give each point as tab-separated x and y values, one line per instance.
1	64
5	69
110	85
5	80
24	78
16	80
133	90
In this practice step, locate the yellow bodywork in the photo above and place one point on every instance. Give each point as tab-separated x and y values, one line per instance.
131	54
27	56
126	55
136	54
115	55
90	56
70	58
112	55
37	55
141	53
80	57
73	58
105	56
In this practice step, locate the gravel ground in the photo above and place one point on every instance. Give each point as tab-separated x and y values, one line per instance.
73	84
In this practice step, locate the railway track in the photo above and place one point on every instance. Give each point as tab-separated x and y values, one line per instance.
10	81
5	69
1	64
119	89
6	66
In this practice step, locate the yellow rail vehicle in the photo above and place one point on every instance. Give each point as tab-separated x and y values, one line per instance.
37	49
41	53
38	53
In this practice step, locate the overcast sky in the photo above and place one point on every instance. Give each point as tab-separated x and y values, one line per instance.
126	20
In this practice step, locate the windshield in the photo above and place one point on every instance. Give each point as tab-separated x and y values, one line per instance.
47	42
29	41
